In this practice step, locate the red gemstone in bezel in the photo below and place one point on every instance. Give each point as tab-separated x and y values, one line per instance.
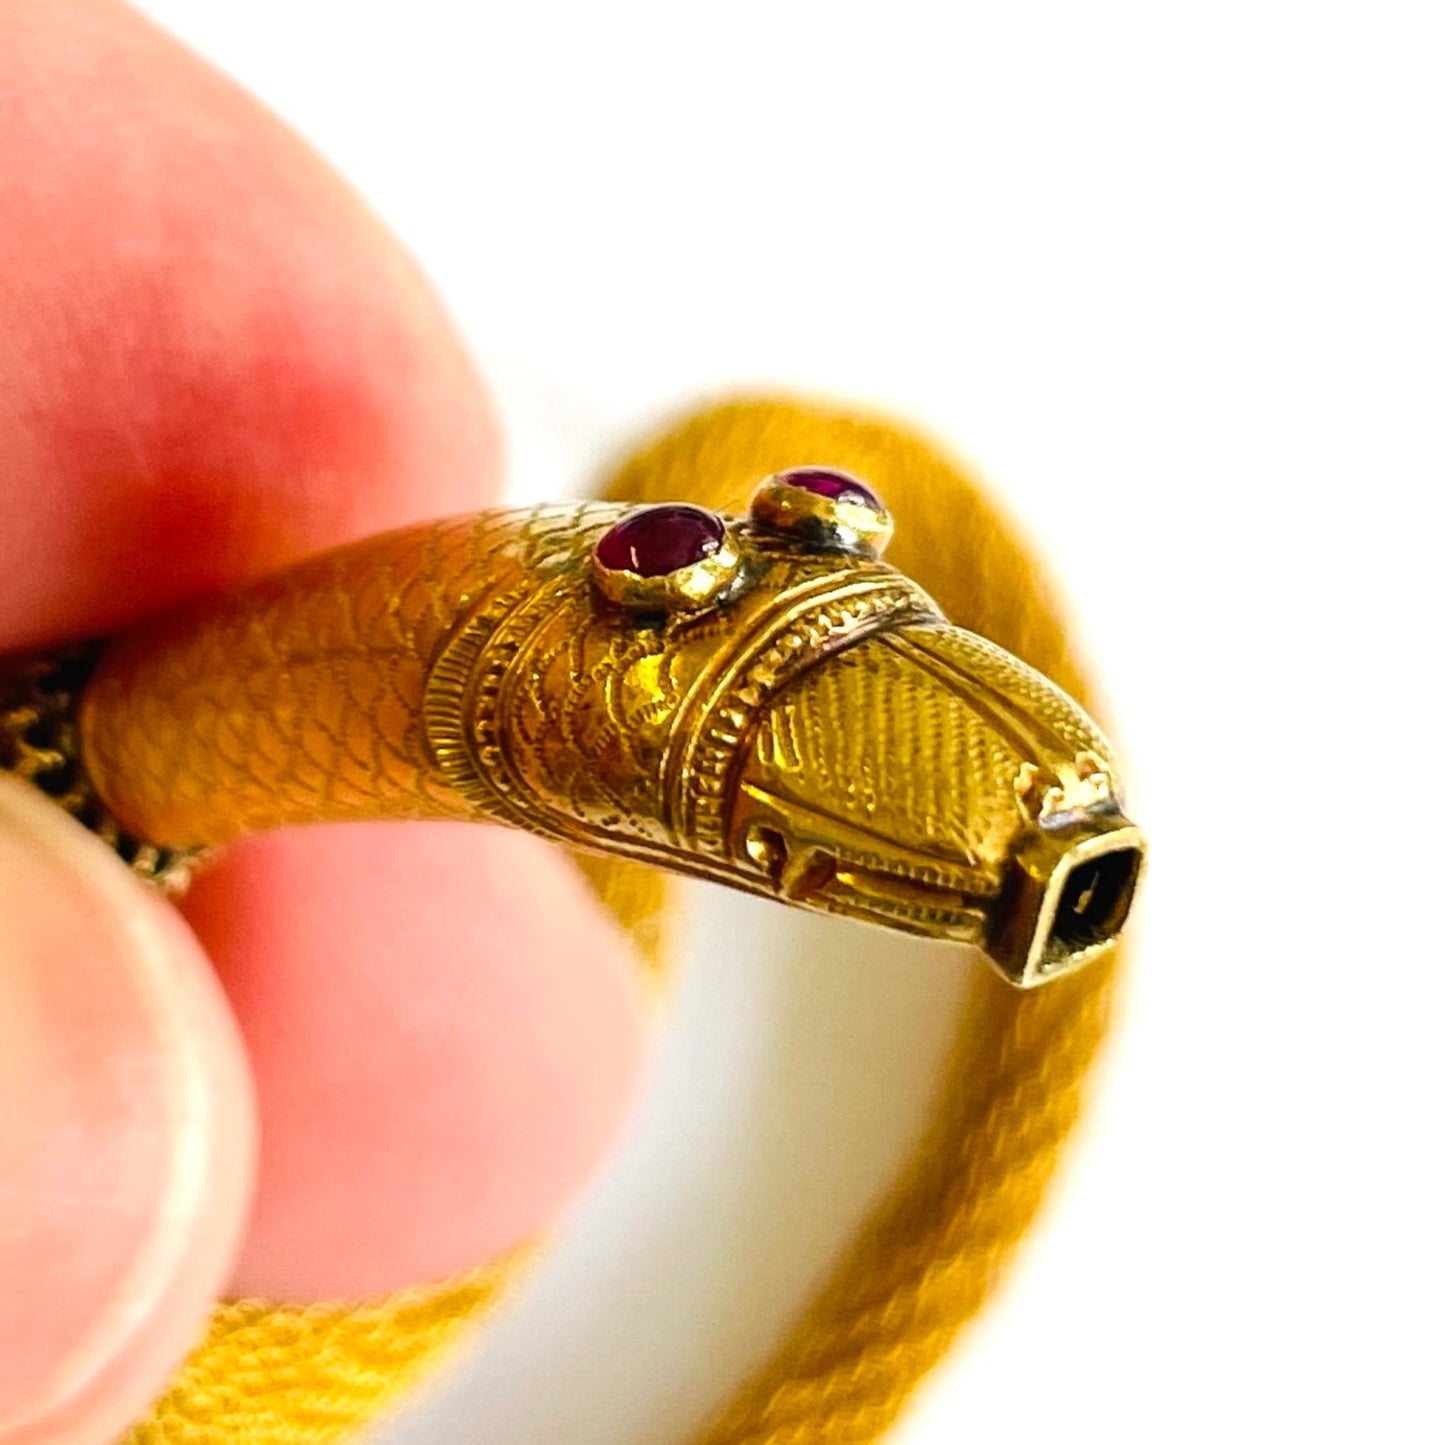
653	541
832	483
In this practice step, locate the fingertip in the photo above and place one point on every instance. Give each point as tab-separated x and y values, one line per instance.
448	1039
127	1134
216	359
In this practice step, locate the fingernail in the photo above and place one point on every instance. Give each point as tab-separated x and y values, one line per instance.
110	1122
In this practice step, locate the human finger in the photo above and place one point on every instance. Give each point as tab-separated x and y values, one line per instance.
127	1134
217	359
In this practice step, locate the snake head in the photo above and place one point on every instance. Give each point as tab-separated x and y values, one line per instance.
764	702
907	772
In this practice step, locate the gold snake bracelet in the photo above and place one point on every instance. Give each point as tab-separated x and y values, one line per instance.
935	1247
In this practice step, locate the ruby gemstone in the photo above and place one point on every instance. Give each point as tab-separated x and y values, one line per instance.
653	541
829	482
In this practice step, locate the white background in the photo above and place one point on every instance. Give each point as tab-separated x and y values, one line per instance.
1172	276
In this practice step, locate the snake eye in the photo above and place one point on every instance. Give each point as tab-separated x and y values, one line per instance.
824	507
669	558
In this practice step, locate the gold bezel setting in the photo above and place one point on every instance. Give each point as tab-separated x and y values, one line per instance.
712	579
846	523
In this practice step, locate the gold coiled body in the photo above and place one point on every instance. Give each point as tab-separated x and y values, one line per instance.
935	1247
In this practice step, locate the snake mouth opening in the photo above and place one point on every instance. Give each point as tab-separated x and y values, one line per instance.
1066	899
1053	903
1094	899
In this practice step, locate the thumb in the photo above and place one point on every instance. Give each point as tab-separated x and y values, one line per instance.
126	1134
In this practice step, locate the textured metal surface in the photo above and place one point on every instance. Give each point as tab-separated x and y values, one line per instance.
299	698
824	737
